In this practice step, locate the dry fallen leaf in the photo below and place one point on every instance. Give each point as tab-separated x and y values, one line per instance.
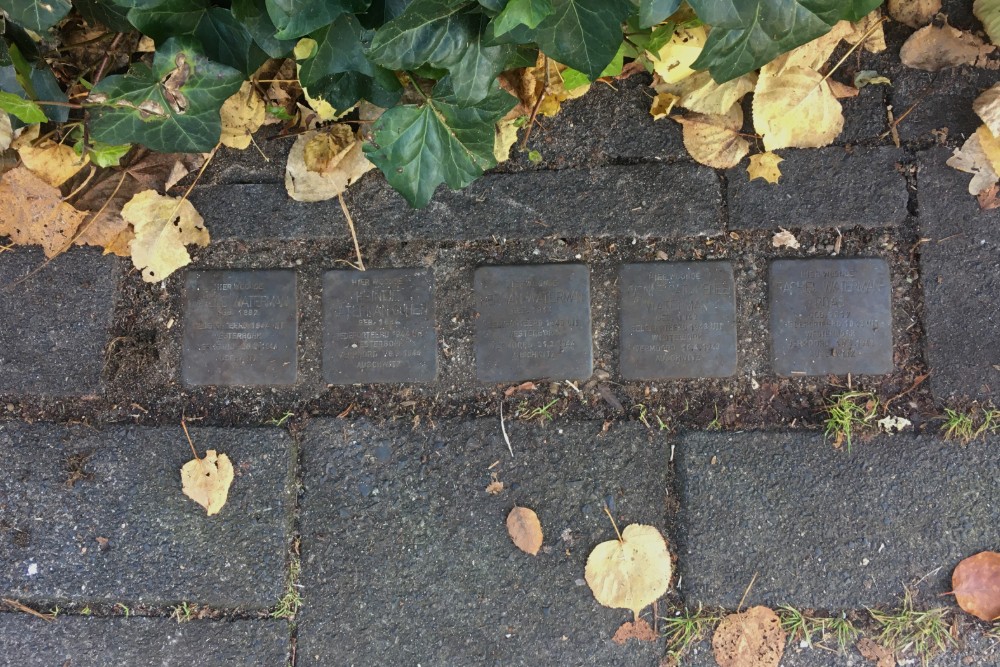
206	481
701	94
630	573
715	141
505	138
976	585
934	48
6	132
877	653
322	163
812	55
991	146
640	630
751	639
842	90
494	487
795	108
989	199
55	163
784	239
242	115
530	83
662	105
163	227
870	25
988	11
972	159
34	212
524	386
674	59
765	165
987	106
914	13
525	530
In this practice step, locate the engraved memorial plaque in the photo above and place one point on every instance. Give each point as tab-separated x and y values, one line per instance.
678	320
240	328
830	316
378	326
534	322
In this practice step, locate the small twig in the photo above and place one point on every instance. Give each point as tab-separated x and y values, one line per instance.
855	47
188	435
28	610
107	57
538	104
613	524
746	593
503	429
354	235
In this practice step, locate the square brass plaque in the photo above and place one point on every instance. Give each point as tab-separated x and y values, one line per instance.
678	320
378	326
533	322
831	317
239	328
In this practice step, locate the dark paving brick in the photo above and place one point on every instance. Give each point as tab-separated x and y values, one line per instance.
162	548
825	529
961	280
943	100
668	200
864	116
70	641
406	560
826	187
55	324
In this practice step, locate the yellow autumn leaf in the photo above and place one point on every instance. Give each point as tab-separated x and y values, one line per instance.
506	137
322	163
673	61
630	573
814	54
701	94
987	106
991	146
715	140
304	49
163	227
765	165
535	83
988	11
55	163
662	105
795	109
6	131
870	25
34	212
242	115
207	480
971	158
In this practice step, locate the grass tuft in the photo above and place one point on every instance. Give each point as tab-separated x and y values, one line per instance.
923	633
182	612
847	413
686	628
803	627
968	426
290	603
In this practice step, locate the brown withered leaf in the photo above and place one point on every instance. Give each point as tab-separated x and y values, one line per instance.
988	199
640	630
870	650
33	212
933	48
715	141
914	13
976	585
524	386
525	530
751	639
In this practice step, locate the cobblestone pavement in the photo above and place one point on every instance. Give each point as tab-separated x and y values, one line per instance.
368	501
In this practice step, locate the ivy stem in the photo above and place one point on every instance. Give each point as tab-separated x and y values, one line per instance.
107	57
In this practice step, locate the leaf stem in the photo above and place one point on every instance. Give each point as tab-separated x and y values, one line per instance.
188	435
613	524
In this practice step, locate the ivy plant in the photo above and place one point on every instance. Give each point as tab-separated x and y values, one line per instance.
433	64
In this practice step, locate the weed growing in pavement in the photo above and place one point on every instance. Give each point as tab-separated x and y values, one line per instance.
967	426
126	610
800	626
86	611
290	603
923	633
541	413
848	412
686	628
280	421
994	632
715	424
182	612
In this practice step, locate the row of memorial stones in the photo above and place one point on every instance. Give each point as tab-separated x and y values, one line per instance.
678	320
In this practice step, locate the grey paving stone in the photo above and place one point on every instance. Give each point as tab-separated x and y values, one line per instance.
140	642
406	559
826	187
161	547
668	200
824	529
55	324
961	281
943	100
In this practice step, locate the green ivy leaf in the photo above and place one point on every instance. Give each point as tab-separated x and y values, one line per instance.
222	38
574	79
652	12
522	12
434	32
473	74
105	155
25	110
111	16
36	15
747	34
340	73
254	17
381	12
295	18
493	5
172	106
420	147
583	34
31	81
